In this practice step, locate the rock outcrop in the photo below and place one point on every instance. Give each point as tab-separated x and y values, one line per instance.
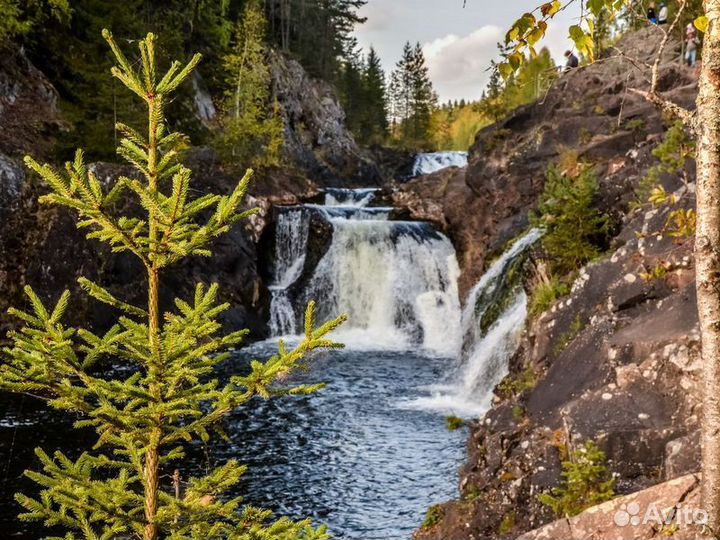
669	510
316	137
617	360
589	113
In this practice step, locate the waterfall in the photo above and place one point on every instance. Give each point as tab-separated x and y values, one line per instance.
349	197
291	236
436	161
487	348
396	280
489	290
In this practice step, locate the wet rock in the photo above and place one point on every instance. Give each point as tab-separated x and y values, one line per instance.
12	180
682	455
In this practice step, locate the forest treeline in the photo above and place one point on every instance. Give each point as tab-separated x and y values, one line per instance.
401	108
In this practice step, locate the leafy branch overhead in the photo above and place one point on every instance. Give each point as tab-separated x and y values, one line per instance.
171	395
528	30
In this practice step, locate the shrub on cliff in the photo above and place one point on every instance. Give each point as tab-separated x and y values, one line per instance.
171	396
586	482
574	228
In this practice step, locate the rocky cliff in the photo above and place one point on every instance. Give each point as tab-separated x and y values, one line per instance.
41	246
615	361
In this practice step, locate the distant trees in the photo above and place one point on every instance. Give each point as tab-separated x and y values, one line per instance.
74	57
412	98
61	37
317	32
455	124
531	81
364	96
252	131
20	18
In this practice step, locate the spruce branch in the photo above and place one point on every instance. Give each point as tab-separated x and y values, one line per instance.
171	395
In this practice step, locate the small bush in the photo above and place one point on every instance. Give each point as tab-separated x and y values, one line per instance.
434	515
586	482
507	524
514	386
518	414
637	124
673	154
546	294
453	423
567	338
574	229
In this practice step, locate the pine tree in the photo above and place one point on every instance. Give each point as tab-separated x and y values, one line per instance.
363	95
253	130
20	18
423	97
400	89
374	127
351	87
413	97
172	396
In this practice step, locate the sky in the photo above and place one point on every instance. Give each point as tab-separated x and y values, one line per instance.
458	42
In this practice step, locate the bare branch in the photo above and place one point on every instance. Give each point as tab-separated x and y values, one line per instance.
658	58
683	114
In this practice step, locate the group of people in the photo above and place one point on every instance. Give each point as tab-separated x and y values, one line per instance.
691	38
692	41
661	17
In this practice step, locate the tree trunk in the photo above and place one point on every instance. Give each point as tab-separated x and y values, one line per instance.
152	461
707	259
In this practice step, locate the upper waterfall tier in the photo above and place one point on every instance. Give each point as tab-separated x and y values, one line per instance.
349	197
436	161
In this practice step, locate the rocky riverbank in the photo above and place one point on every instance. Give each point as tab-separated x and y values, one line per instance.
616	360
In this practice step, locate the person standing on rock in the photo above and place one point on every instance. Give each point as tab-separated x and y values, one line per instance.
663	14
651	15
572	61
691	46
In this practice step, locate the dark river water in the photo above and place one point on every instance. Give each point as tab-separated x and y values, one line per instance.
352	456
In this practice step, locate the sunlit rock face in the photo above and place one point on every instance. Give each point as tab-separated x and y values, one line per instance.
617	360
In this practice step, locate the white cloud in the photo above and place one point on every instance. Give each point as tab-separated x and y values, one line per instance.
379	16
459	64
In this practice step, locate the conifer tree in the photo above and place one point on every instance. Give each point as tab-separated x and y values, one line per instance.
413	97
253	130
375	122
20	18
424	98
171	396
352	87
400	88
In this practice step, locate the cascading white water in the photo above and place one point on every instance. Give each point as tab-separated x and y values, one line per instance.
485	354
349	197
481	295
396	280
436	161
291	238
